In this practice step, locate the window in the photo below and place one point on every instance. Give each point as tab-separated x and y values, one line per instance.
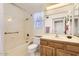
38	22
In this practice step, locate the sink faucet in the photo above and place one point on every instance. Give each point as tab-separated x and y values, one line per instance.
56	34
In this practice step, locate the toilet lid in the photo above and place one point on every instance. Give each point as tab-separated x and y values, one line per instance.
32	46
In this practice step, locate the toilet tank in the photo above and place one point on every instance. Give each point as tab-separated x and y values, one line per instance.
36	40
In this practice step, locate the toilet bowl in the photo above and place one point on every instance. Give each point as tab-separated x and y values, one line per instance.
32	48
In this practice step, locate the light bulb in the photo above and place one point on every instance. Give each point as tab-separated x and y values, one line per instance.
9	19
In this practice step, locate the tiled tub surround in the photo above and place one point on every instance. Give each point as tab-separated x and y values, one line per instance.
59	46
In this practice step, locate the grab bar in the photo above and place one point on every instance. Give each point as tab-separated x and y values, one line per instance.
11	32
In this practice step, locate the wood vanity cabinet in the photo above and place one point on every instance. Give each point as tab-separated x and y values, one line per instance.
46	50
43	50
58	48
61	52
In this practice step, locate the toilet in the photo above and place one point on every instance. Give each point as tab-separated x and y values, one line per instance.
32	48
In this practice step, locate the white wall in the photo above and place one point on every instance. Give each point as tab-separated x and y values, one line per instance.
12	41
1	30
49	23
29	27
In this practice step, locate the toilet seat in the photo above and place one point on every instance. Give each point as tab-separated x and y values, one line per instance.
32	46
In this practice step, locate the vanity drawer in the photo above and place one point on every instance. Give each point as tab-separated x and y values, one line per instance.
56	44
61	52
43	42
73	48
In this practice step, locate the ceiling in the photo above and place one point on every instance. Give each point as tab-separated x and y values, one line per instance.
31	8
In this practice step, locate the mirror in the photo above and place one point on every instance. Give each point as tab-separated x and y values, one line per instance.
76	27
63	22
59	27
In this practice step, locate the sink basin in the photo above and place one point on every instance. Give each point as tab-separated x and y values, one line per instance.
69	37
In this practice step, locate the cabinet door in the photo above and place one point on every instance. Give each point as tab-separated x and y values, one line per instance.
60	52
47	51
43	50
73	48
50	51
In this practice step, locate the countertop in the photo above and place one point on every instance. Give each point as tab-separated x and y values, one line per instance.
64	38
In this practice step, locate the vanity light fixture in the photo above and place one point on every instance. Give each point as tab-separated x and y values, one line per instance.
56	6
